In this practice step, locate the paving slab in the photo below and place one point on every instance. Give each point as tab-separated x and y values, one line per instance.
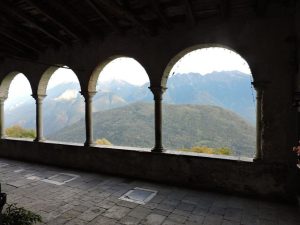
93	199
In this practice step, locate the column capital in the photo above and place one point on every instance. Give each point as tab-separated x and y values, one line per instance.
3	98
88	94
260	85
38	97
157	91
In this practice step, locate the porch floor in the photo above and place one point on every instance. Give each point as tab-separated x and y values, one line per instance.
63	196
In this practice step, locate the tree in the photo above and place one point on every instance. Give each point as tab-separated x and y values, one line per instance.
19	132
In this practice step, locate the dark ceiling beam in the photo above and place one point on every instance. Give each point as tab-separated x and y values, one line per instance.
9	45
20	32
224	8
261	7
14	49
189	12
111	23
6	49
157	9
18	13
51	16
68	13
18	39
22	57
122	12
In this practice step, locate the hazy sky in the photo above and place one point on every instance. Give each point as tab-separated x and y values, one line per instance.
200	61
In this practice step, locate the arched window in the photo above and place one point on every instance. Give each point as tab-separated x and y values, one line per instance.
19	109
209	106
123	108
63	107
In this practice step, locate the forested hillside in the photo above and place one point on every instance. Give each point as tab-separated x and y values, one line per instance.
184	126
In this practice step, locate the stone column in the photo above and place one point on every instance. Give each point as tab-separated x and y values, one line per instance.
158	93
88	97
297	105
259	87
2	122
39	117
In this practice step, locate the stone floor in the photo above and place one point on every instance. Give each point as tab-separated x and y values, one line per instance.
94	199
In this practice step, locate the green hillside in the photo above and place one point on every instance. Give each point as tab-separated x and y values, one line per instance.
184	126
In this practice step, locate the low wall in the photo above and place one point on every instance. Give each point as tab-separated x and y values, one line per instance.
227	174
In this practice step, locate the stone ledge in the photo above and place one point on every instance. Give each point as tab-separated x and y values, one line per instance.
226	174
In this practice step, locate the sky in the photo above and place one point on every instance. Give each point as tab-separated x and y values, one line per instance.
201	61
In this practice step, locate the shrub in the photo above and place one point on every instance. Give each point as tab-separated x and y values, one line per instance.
207	150
14	215
19	132
103	141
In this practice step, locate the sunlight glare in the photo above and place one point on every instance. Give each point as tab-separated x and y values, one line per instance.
126	69
62	75
208	60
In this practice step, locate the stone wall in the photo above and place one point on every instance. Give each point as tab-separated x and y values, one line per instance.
221	173
268	44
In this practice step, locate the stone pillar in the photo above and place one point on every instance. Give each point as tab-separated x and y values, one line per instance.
259	87
158	93
39	117
88	97
2	121
297	105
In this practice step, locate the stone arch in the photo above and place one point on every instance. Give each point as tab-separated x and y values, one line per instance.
43	83
96	72
5	84
181	54
185	51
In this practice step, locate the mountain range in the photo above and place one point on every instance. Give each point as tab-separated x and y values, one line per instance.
184	126
64	105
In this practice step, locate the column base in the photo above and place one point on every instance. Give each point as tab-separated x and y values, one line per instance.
159	149
3	137
89	144
39	140
256	159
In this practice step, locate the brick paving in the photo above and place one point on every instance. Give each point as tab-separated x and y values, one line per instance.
94	199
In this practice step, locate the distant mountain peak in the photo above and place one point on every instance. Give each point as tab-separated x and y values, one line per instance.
68	95
232	73
115	82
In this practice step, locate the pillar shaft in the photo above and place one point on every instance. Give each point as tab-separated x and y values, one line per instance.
158	93
39	117
259	154
298	125
2	121
89	118
297	105
259	87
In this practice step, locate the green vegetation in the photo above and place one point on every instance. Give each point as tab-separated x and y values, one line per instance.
20	132
14	215
207	150
103	141
184	126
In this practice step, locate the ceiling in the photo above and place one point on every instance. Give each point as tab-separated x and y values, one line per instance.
30	27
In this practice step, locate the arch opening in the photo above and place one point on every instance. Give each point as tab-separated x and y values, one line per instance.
63	105
123	108
19	107
210	104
